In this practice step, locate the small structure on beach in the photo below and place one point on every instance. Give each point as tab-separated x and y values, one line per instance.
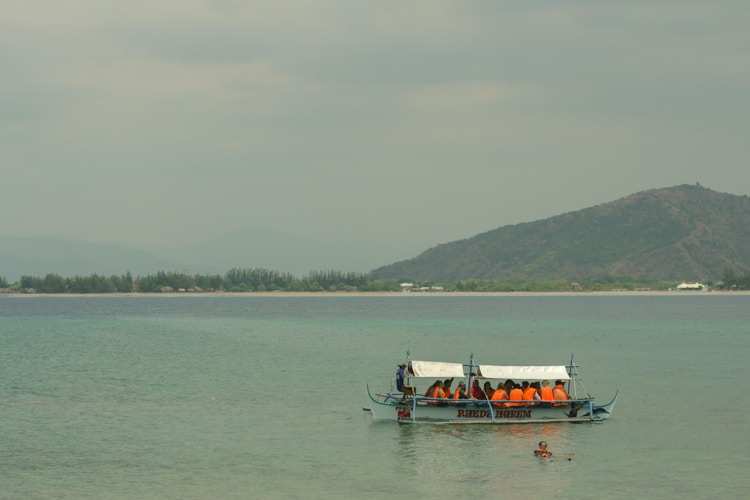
691	287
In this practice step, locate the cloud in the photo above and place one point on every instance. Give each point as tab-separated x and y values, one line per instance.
351	114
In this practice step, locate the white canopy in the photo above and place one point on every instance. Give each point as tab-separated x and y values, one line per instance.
437	369
551	373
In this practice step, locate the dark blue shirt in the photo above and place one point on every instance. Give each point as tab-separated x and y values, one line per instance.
400	379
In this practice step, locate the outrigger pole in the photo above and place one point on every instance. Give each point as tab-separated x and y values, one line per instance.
408	382
573	377
470	375
408	360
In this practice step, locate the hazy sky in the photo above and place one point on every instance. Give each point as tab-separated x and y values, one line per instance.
139	122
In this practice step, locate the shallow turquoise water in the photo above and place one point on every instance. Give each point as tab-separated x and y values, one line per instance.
261	397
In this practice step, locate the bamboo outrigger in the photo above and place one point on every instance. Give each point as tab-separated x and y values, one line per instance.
407	407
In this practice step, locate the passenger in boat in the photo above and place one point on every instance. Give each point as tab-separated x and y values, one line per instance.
476	391
515	396
559	394
437	392
460	394
542	451
531	394
559	384
538	387
547	393
508	385
488	390
447	387
499	395
429	391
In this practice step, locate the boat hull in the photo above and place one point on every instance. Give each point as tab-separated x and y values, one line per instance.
411	410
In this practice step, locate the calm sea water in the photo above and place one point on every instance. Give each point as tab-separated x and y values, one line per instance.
261	397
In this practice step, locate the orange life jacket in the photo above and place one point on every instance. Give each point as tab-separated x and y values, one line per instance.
516	395
541	452
528	395
561	398
437	392
547	393
499	395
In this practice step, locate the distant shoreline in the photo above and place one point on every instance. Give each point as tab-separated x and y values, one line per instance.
618	293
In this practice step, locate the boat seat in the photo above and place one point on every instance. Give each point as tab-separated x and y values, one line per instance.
409	390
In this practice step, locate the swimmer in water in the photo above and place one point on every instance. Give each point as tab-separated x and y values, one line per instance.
542	451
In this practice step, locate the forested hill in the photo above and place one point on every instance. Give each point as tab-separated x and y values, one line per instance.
679	233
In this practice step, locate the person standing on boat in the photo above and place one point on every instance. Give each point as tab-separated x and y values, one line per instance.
542	451
400	378
407	390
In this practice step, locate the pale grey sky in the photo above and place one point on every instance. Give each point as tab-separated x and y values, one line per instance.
144	122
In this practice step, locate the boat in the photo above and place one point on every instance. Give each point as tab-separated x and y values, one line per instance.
691	287
408	407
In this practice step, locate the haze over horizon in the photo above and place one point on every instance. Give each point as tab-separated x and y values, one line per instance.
413	123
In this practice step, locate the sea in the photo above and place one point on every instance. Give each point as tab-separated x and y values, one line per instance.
263	396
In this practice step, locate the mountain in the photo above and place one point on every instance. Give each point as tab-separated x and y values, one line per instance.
40	256
678	233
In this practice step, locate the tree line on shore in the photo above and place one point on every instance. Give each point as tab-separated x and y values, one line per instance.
264	280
